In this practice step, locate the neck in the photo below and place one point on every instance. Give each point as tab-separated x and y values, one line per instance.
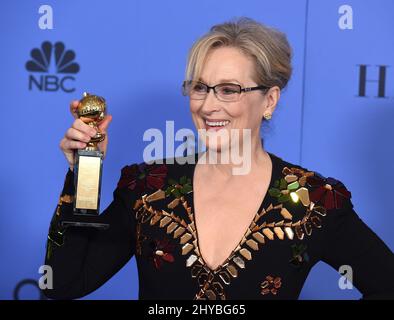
227	166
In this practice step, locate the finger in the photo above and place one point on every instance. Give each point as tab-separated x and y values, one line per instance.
74	134
73	108
71	144
105	123
67	144
82	126
86	119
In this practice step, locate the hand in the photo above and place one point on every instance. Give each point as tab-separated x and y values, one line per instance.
79	134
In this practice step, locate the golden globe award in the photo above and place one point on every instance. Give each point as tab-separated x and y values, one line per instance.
88	166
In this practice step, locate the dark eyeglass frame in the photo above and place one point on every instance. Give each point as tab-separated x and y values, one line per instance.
208	88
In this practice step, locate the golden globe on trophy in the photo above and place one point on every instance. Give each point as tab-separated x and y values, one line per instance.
88	166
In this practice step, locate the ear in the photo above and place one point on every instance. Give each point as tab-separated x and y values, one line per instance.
271	99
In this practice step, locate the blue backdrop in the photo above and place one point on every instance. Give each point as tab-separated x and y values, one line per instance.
335	116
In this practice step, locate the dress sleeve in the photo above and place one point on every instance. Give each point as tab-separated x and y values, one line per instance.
349	241
83	259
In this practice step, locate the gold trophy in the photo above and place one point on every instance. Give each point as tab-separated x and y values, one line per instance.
88	166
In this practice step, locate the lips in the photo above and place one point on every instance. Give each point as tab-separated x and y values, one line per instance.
215	124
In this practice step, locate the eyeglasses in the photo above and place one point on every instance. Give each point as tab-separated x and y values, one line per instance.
227	92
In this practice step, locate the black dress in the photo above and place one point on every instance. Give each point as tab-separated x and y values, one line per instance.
304	218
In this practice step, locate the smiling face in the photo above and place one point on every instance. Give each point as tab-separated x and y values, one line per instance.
230	65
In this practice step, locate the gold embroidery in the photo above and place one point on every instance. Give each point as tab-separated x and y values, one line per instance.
212	282
158	195
271	285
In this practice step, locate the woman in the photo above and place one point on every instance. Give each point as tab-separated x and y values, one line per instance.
199	231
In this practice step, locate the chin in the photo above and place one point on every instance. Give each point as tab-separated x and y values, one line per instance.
219	147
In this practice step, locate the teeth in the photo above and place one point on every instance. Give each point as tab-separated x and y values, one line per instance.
217	124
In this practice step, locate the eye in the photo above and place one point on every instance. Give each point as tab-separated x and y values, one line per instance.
229	89
199	87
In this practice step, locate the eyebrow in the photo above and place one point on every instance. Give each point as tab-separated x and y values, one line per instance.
223	81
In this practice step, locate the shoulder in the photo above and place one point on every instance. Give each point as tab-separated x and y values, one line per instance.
306	193
148	177
306	198
296	183
160	189
302	199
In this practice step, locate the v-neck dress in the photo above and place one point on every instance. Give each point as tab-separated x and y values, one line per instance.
304	218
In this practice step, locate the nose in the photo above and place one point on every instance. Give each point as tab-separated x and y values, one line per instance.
211	103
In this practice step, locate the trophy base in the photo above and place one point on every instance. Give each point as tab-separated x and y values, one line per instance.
85	222
86	208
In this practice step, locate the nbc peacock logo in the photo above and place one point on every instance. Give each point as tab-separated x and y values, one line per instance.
56	65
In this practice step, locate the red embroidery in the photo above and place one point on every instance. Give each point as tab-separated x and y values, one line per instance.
161	251
330	192
143	176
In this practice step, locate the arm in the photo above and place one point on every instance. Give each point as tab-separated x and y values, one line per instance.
82	259
349	241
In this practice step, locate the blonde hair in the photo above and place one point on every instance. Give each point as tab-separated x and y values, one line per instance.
268	47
